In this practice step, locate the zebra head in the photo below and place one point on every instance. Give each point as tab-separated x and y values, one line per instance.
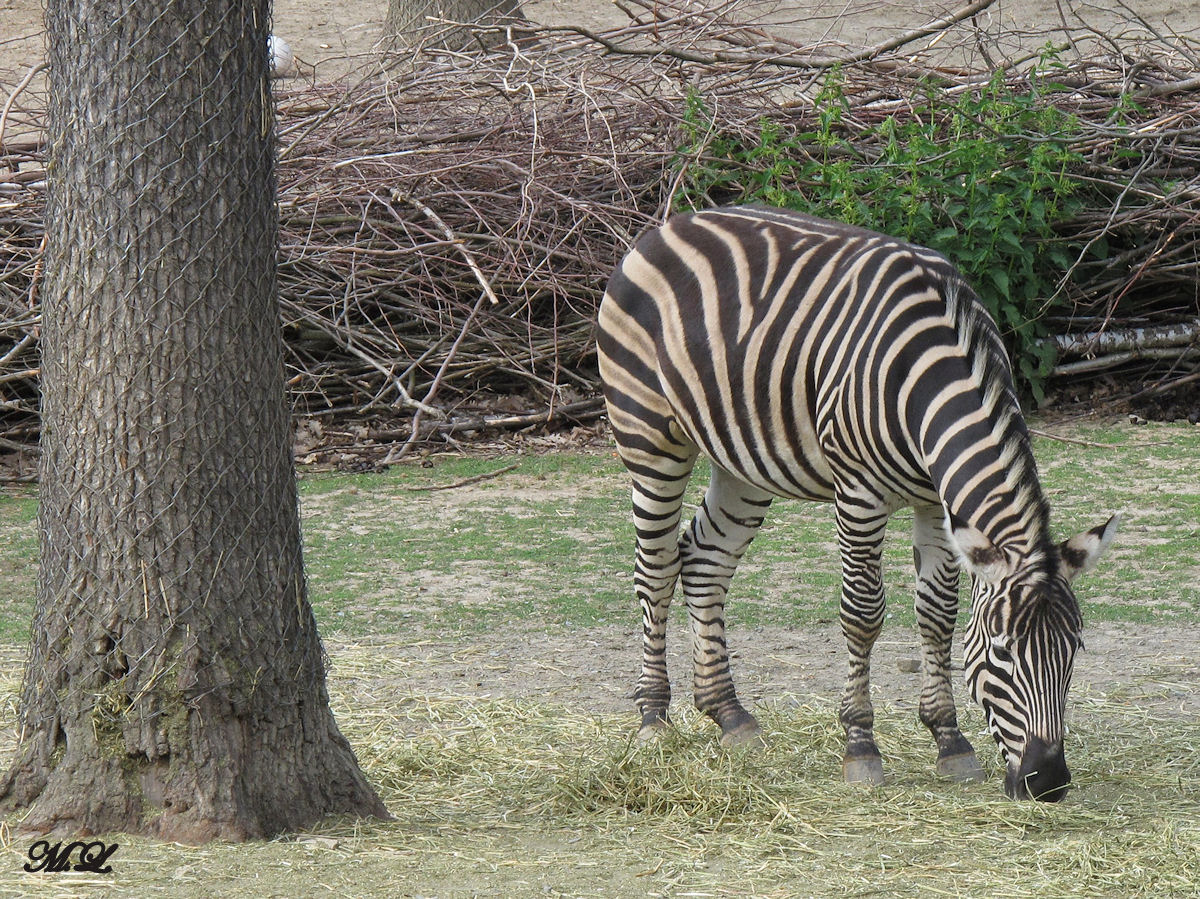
1020	647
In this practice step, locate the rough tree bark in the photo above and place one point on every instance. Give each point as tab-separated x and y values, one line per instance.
176	682
411	22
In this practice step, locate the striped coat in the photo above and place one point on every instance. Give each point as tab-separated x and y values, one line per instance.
813	360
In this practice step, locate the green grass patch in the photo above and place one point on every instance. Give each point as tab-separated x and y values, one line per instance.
18	563
386	551
1149	477
550	541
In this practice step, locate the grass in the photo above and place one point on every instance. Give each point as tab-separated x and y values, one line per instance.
551	540
18	564
532	543
1152	571
524	798
495	794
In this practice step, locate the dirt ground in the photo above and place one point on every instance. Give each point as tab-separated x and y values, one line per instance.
1153	666
593	672
331	37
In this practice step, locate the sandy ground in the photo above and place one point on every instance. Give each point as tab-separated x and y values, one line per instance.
593	672
1145	665
331	36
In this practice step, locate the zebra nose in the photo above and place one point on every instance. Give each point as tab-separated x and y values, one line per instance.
1042	774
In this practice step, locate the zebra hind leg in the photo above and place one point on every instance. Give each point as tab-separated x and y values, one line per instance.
937	609
656	512
720	532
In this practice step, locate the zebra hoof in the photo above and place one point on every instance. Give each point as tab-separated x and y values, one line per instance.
963	767
863	770
654	724
745	734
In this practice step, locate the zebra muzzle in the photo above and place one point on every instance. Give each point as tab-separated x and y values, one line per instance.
1041	774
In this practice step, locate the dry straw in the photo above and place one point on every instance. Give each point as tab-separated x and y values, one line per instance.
778	814
499	796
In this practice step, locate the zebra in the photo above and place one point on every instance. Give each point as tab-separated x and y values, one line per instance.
814	360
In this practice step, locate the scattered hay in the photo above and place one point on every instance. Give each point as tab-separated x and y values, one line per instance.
520	798
780	816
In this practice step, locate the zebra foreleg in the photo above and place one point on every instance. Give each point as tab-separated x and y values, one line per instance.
937	609
722	528
861	528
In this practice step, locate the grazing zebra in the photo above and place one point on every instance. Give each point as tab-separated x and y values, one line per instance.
815	360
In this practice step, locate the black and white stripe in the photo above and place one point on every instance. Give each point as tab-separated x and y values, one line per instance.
814	360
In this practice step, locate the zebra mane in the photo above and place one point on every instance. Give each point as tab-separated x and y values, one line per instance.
979	340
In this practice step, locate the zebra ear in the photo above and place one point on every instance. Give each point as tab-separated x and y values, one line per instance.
983	558
1081	552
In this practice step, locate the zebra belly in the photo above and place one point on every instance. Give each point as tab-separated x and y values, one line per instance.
787	460
791	483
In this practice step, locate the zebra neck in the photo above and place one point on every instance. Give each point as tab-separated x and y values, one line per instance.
988	478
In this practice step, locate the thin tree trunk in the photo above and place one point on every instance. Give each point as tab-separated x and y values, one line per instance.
431	23
176	682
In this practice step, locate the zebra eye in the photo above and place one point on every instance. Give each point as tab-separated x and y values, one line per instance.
1002	649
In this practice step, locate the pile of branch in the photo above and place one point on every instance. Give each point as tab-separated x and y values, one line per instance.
448	222
450	234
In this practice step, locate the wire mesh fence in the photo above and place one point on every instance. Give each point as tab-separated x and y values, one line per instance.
172	640
156	297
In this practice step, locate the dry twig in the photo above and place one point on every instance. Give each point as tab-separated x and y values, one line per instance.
528	171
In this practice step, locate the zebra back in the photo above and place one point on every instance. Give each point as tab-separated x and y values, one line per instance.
807	357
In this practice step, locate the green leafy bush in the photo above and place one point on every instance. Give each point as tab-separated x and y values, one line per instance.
981	176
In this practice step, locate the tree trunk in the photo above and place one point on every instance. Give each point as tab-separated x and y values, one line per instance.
423	22
176	682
